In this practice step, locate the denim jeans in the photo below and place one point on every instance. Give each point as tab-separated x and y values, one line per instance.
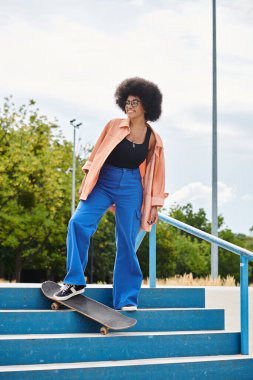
123	187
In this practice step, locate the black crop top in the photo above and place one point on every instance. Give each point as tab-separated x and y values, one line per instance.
128	154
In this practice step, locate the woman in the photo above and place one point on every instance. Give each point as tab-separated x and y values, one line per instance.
125	172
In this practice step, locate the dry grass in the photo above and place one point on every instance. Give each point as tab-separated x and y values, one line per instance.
3	280
185	280
188	280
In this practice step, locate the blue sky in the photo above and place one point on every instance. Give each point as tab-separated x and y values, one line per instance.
70	55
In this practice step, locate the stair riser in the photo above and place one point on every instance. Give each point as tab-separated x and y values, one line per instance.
58	322
33	299
64	350
218	370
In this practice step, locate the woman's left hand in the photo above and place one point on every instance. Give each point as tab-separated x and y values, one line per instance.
153	218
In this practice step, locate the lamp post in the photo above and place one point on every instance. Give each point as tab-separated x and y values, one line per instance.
214	247
74	166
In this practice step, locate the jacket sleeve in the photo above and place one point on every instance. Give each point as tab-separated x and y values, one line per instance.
158	188
86	166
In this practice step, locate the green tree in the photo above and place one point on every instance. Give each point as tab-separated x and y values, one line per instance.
190	254
229	263
165	256
197	219
193	254
35	190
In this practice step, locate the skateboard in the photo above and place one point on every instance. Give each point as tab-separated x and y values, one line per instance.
106	316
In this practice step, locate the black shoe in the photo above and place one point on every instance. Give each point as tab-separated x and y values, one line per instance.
67	291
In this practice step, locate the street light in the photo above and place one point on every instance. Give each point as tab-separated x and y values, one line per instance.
74	166
214	247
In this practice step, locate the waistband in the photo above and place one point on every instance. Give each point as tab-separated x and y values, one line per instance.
116	168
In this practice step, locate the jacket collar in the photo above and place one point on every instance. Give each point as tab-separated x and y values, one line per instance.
126	123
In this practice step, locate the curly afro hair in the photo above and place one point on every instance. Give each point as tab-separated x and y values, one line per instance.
147	91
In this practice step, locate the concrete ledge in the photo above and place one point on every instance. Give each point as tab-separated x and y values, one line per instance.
121	346
29	296
216	367
67	321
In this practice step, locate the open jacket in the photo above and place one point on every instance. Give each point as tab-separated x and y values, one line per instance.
152	173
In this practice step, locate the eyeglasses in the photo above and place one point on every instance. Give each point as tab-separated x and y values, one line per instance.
134	103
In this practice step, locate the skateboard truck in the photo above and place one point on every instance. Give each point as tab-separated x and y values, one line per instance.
103	330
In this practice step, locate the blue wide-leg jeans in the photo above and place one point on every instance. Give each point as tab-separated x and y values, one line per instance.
123	187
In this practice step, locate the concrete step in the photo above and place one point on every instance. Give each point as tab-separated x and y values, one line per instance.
29	296
230	367
67	348
67	321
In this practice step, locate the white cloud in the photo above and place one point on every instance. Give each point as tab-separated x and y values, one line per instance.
67	59
74	61
226	194
191	192
200	194
247	197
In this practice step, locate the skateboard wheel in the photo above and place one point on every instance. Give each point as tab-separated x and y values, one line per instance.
55	306
104	330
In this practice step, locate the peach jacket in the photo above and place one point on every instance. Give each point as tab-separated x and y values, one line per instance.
152	173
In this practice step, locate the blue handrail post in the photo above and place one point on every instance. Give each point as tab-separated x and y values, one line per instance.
152	257
244	294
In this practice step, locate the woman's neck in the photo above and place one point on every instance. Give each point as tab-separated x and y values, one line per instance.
138	124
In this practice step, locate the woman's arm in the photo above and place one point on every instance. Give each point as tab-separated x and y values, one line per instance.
153	217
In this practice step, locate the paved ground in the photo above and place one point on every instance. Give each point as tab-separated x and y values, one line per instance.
228	298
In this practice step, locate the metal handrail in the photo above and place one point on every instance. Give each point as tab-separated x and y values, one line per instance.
245	256
206	236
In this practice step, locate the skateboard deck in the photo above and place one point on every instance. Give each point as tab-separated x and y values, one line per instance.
106	316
